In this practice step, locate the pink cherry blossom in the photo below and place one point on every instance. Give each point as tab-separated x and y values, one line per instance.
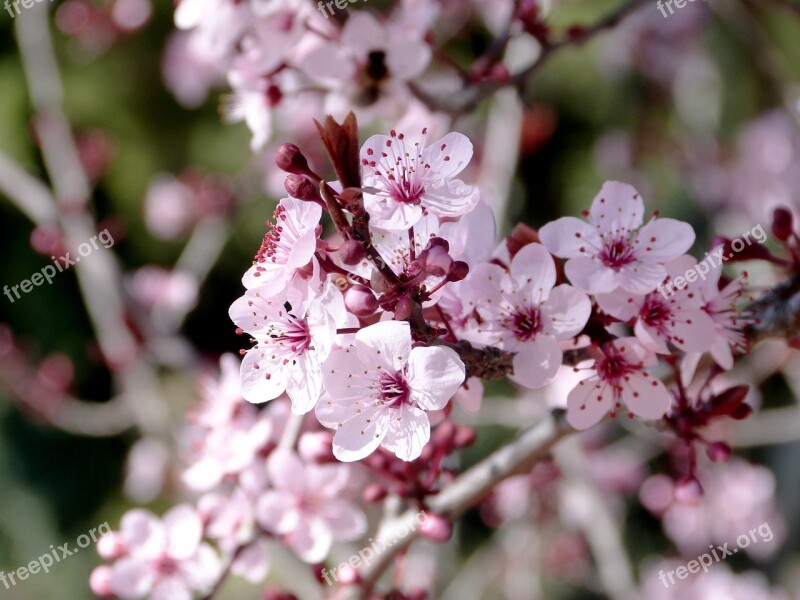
729	321
678	318
411	177
225	433
379	389
162	559
230	520
619	377
307	505
613	249
293	336
288	245
367	67
521	311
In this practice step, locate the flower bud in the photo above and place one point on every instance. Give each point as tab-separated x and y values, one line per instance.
375	492
782	223
100	582
290	158
459	271
439	242
110	546
436	528
719	452
360	301
301	188
465	436
688	490
347	574
352	252
436	261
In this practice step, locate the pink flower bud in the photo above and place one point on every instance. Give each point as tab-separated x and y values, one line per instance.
782	223
301	188
360	301
100	582
436	261
347	574
688	491
111	547
719	452
352	252
375	492
465	436
436	528
290	158
459	271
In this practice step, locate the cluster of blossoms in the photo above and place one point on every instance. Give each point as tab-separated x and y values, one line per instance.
404	307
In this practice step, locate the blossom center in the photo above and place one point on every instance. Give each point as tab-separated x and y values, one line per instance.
166	565
294	337
655	312
394	389
617	253
613	366
525	323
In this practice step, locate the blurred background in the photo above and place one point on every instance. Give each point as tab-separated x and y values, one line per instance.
699	111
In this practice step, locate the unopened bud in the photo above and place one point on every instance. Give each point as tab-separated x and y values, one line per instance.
290	158
100	582
301	188
360	300
375	492
688	491
352	252
782	223
436	528
436	261
465	436
459	271
719	452
439	242
347	574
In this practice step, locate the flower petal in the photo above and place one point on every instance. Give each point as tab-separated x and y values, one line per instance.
409	431
588	403
590	275
434	375
618	207
566	312
536	363
569	237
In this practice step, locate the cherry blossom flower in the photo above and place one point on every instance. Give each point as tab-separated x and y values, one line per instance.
306	505
288	245
225	433
293	336
619	377
729	322
367	67
614	249
379	389
412	177
521	311
162	559
231	522
679	318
